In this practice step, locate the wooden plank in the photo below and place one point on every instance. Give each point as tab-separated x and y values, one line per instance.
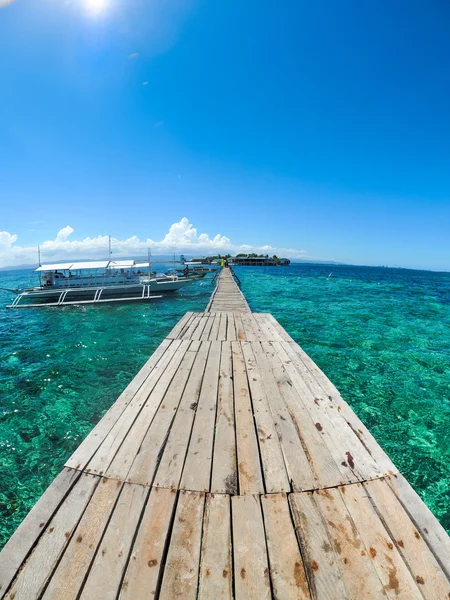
222	332
263	326
39	567
215	327
280	330
394	574
207	331
180	326
201	327
224	473
274	331
275	474
413	549
173	458
188	333
356	566
149	373
216	578
249	332
144	569
335	401
110	561
143	405
231	330
425	522
138	457
350	456
296	460
286	565
251	568
68	578
181	572
240	330
321	461
319	557
249	463
197	468
32	527
252	330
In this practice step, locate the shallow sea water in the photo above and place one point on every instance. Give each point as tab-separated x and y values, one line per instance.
381	335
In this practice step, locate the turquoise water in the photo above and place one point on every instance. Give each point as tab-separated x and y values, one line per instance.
381	335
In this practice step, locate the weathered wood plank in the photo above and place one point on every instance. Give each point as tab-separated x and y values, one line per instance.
216	577
143	573
360	430
207	331
319	557
263	326
173	458
352	459
141	404
39	567
296	460
188	333
149	373
224	473
180	326
138	457
240	330
231	330
181	572
426	523
252	330
392	571
423	565
215	327
275	474
321	461
249	462
222	332
112	555
251	568
356	566
197	468
286	565
280	330
68	578
32	527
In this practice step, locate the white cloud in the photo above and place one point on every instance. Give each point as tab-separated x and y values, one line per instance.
6	240
181	238
64	233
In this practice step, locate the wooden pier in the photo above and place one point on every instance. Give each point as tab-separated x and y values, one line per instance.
230	467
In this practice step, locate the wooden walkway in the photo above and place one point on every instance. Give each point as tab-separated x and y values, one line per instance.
230	467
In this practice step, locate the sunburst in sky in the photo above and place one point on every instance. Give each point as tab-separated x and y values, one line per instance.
95	7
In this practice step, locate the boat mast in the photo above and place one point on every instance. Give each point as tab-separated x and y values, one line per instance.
149	263
110	252
39	261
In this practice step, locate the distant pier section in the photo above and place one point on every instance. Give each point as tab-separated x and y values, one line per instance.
231	468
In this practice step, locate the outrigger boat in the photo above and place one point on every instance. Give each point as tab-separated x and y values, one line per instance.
97	282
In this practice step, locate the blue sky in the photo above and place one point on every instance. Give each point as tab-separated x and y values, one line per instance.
314	126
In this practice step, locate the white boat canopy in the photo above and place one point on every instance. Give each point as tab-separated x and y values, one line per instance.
121	264
96	264
55	267
141	265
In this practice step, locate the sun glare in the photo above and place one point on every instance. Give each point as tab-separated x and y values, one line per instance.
95	7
